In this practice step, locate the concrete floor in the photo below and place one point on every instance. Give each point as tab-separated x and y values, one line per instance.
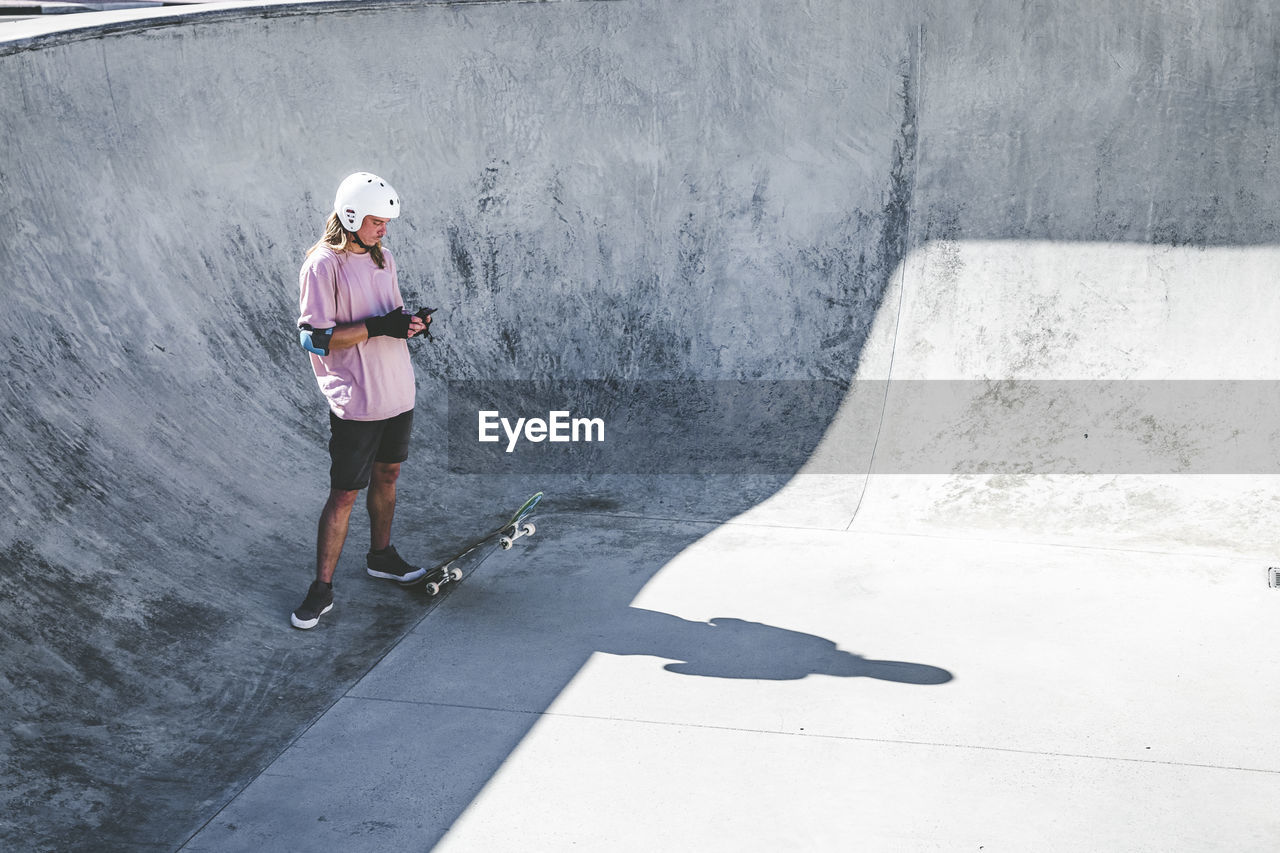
775	687
936	345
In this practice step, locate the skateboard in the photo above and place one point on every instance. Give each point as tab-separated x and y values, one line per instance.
504	537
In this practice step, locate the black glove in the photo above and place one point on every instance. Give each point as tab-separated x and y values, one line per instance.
393	324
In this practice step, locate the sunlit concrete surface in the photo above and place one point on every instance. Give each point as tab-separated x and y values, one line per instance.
1004	590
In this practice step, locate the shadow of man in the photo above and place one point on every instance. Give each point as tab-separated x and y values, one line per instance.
736	648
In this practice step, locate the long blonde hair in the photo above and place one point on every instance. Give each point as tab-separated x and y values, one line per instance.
339	239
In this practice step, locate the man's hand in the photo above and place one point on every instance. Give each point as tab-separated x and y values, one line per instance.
421	323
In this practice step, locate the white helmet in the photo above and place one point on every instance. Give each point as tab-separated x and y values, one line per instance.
364	194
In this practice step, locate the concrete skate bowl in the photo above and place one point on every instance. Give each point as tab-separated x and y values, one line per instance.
600	195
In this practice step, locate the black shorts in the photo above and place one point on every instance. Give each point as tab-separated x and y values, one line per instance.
355	445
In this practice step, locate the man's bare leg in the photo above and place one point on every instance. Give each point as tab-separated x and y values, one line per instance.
381	502
332	532
383	561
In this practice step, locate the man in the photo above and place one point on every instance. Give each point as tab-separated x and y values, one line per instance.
354	325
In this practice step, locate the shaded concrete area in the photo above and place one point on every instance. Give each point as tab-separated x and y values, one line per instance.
828	192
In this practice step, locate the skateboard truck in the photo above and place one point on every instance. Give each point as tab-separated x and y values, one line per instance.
526	529
449	574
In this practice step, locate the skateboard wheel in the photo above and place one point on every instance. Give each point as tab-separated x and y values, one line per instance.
455	575
433	588
505	542
529	529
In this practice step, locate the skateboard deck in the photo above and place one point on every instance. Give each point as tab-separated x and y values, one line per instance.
519	526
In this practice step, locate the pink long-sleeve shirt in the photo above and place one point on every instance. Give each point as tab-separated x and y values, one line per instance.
373	380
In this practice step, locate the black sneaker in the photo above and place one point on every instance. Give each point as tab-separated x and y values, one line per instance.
318	602
388	564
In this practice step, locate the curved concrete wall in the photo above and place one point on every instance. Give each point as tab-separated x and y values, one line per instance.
642	190
592	190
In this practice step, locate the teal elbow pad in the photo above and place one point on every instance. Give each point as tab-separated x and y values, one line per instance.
315	340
